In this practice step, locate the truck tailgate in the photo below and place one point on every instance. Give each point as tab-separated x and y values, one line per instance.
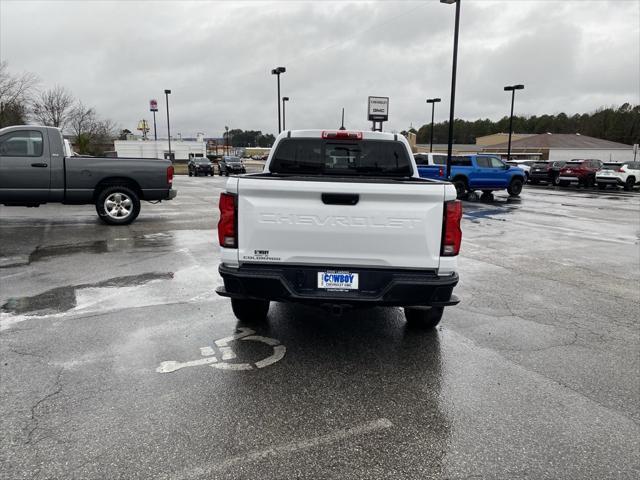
395	224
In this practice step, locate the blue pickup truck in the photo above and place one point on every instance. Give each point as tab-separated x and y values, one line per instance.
477	172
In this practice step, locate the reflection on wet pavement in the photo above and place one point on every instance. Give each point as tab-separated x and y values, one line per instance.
95	247
61	299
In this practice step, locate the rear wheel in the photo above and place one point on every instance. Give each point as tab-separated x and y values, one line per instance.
515	187
461	186
589	182
118	205
250	311
628	185
556	180
423	317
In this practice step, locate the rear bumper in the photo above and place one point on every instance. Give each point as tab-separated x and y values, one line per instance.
382	287
610	180
564	178
542	176
158	194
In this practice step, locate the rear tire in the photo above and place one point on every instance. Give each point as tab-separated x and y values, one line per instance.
461	187
250	311
589	182
628	185
556	180
515	187
117	205
423	317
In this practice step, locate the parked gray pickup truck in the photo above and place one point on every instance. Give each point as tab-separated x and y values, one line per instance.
36	169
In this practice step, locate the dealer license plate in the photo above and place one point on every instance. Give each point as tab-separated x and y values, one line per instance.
338	280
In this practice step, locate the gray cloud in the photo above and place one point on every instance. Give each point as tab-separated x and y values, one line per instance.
216	57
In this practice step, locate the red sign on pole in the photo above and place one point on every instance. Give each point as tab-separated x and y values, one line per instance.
153	105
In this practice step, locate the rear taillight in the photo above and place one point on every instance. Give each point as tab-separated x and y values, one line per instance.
451	232
227	227
621	170
170	175
342	134
441	172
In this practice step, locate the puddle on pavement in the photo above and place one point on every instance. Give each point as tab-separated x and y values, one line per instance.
95	247
62	299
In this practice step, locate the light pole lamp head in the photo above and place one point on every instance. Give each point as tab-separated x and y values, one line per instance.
167	92
433	100
510	88
285	99
449	2
278	70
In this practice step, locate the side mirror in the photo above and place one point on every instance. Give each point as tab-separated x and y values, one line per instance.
507	166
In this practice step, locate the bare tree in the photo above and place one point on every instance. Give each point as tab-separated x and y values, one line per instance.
82	120
15	92
54	107
91	135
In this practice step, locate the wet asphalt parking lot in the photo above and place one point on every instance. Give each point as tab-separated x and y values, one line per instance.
118	360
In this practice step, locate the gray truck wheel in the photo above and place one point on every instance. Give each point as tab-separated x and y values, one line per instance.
423	317
250	311
118	205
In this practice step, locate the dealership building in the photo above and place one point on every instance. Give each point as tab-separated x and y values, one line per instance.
559	146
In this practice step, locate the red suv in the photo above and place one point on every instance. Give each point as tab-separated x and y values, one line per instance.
582	172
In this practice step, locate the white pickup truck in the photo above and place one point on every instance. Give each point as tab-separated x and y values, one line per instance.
339	219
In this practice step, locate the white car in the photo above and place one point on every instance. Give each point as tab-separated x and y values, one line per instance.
524	165
340	219
430	158
626	175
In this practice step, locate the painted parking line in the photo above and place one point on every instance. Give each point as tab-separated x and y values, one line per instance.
227	353
288	448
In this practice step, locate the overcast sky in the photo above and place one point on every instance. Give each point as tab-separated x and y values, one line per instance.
216	57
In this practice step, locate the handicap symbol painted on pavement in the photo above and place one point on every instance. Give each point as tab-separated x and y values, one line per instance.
226	353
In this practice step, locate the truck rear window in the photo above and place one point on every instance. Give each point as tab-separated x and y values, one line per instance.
331	157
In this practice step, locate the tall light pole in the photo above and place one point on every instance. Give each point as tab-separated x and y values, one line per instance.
453	81
512	89
166	94
284	99
227	138
433	102
277	71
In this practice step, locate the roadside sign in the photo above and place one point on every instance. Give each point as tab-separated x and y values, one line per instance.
153	105
378	109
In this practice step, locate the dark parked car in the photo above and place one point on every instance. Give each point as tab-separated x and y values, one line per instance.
200	166
230	165
546	172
